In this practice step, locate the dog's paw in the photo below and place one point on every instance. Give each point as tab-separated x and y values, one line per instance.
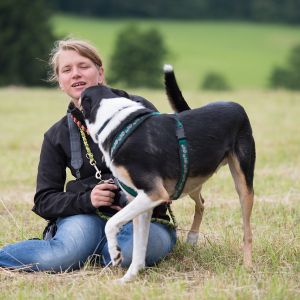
192	238
116	256
122	281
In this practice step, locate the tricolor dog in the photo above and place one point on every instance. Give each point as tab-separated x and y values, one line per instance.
166	156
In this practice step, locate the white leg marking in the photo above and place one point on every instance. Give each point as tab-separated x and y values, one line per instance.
141	226
142	203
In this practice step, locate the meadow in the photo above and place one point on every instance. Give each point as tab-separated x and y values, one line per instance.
245	53
210	270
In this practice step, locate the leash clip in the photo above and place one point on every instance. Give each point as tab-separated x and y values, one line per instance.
110	180
98	172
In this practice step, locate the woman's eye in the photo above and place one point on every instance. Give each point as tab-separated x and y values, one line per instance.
66	70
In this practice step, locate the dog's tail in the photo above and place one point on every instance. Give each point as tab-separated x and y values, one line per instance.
174	94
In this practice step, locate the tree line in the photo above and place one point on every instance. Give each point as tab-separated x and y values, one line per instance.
26	36
287	11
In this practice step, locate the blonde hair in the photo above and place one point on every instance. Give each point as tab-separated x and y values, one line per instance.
83	48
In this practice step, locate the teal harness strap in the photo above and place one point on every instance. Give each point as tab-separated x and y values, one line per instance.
119	140
127	189
183	153
122	136
184	159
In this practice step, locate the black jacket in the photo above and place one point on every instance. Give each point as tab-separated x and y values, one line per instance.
54	198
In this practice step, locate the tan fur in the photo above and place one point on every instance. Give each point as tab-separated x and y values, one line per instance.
246	199
193	189
199	208
159	193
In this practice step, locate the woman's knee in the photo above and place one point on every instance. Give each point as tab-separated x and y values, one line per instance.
80	230
160	242
79	236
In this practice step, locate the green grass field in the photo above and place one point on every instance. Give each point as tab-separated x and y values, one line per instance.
245	53
211	270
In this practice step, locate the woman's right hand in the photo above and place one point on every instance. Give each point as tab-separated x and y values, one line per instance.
103	195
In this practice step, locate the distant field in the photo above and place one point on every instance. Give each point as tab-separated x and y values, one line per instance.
211	270
244	52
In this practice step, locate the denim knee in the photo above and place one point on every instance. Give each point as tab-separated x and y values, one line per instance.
160	242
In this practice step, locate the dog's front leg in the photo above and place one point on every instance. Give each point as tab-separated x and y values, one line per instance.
141	226
142	203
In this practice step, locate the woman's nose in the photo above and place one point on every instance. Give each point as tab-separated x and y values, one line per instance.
76	72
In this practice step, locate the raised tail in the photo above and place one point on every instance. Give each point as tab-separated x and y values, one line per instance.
174	94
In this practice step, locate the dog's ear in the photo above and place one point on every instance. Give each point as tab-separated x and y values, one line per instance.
120	93
86	106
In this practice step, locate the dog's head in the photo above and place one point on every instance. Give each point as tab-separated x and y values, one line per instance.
99	104
91	99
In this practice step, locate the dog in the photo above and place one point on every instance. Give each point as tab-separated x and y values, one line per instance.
148	161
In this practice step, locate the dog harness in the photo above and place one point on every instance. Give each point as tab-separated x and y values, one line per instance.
76	162
183	151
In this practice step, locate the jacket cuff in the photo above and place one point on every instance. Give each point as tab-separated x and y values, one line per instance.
88	207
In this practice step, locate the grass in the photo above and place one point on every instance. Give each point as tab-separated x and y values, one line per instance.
245	53
212	269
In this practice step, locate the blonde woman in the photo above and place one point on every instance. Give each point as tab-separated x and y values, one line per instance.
76	231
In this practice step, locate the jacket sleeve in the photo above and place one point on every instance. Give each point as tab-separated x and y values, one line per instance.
50	200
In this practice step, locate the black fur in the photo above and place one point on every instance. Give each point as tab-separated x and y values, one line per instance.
174	94
245	148
212	131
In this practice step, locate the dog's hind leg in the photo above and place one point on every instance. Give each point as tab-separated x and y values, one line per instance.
193	234
246	195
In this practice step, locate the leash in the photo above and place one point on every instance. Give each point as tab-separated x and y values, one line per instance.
90	156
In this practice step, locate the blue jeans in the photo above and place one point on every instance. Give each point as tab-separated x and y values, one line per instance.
78	238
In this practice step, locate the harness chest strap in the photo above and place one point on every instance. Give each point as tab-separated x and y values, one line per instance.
184	159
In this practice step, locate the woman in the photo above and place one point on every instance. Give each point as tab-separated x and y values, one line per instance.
76	231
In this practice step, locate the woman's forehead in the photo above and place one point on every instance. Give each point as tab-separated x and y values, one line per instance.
67	57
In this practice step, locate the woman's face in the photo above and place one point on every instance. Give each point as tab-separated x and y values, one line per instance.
76	73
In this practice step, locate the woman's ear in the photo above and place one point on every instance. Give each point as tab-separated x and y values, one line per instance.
61	86
101	79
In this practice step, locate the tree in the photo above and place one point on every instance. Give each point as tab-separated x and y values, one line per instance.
215	81
138	58
288	77
25	41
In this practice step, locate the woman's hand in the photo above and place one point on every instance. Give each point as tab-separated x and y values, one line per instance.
103	194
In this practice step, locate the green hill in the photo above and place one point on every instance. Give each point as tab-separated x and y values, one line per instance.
244	53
